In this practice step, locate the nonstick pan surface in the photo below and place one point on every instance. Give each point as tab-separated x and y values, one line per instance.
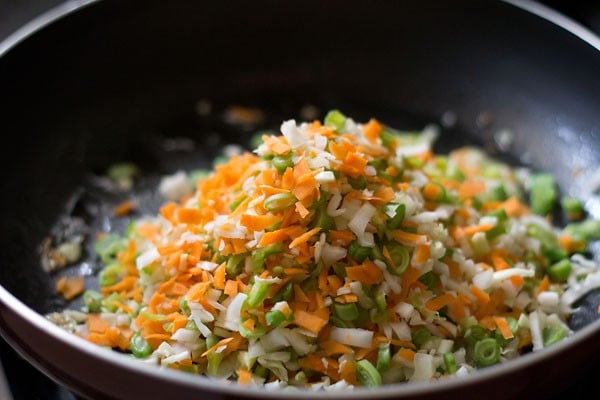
123	81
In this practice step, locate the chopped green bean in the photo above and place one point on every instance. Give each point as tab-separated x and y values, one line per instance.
336	119
384	357
139	346
450	363
346	311
560	271
93	300
553	334
367	374
396	220
258	292
543	193
486	352
279	201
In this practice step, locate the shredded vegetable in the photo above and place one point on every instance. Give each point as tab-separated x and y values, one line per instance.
348	254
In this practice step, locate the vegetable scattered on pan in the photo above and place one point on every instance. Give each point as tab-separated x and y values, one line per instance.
345	254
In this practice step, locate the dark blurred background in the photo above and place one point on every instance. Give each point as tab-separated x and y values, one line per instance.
24	382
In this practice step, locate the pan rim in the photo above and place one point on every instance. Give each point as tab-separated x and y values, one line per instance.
192	381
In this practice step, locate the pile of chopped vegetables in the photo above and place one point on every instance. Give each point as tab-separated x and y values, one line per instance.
342	254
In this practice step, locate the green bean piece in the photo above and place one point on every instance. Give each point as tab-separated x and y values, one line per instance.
282	162
184	307
275	318
384	356
547	239
388	139
498	193
108	246
260	255
542	193
139	347
555	254
234	264
258	292
358	252
285	293
560	271
336	119
553	334
500	227
400	256
396	220
324	220
486	352
367	374
358	183
572	207
279	201
450	363
429	279
586	230
477	332
214	361
109	302
346	311
420	337
92	300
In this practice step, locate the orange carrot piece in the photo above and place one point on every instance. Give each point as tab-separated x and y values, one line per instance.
371	130
408	238
544	285
517	280
189	215
503	327
439	302
219	276
124	208
406	354
309	321
470	188
304	237
70	287
258	222
231	288
422	253
368	273
96	324
330	348
481	296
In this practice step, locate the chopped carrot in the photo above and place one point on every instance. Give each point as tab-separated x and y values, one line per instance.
544	285
408	238
372	129
309	321
407	354
440	301
70	287
189	216
368	273
125	208
503	327
482	296
304	237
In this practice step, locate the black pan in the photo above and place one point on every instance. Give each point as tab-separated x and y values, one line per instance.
115	81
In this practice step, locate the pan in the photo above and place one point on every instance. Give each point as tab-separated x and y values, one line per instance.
104	82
